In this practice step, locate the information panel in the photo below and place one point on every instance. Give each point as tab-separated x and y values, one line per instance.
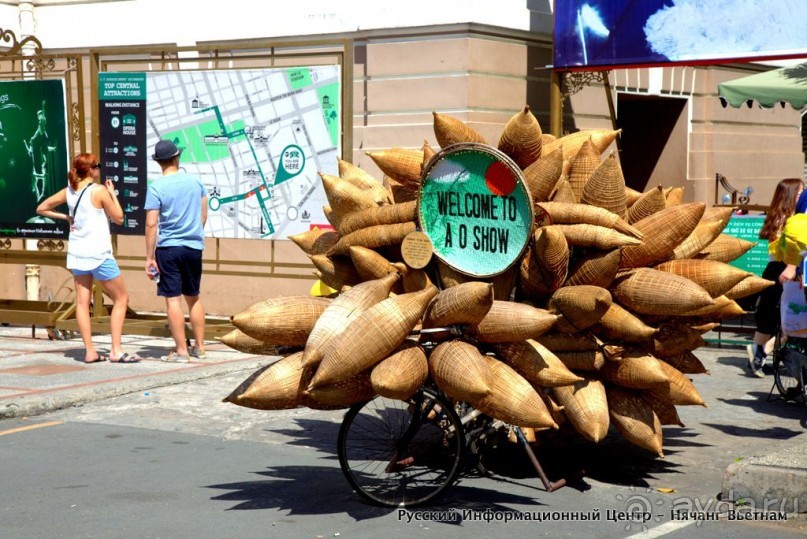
746	227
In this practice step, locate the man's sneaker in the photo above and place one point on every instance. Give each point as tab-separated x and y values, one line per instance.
756	358
173	357
197	353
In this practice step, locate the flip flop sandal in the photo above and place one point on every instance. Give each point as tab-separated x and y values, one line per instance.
126	358
98	359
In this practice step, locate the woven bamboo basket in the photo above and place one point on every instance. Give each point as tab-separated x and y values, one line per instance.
460	371
536	363
726	248
347	306
509	321
650	291
551	252
357	177
399	375
606	188
400	164
450	277
723	308
315	241
371	336
705	327
719	215
285	320
274	387
632	195
649	203
664	410
589	360
687	363
675	196
521	138
428	154
596	237
373	237
503	284
532	283
678	390
586	406
542	176
563	191
717	278
378	215
636	370
634	420
620	325
664	231
401	193
238	340
336	271
580	307
748	286
674	338
546	138
595	268
343	197
566	342
602	138
344	392
513	400
332	217
370	264
704	234
467	303
448	131
578	214
416	280
582	166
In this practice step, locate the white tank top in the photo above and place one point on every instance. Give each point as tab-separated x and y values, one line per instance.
89	242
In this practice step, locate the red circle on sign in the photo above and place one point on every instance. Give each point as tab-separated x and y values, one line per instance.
500	179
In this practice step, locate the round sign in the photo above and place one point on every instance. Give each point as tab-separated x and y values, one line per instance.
416	250
475	208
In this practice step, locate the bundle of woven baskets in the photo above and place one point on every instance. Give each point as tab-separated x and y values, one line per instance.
596	325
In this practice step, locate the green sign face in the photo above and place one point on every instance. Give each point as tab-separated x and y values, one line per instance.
474	207
746	227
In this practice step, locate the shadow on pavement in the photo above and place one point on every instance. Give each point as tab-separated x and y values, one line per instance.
776	407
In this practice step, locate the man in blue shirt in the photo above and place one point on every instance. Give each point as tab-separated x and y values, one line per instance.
177	202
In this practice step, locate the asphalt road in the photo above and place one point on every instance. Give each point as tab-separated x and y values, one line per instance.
175	462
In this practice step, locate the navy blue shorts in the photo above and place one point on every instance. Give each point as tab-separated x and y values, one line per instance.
180	271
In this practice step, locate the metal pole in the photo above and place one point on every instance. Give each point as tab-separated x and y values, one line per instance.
606	82
555	105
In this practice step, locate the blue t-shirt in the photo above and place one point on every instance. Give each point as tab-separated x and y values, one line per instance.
179	199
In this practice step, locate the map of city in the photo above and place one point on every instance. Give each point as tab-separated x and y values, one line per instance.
256	138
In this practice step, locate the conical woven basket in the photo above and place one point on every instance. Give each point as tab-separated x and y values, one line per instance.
513	400
586	406
675	196
285	320
565	342
590	360
343	197
341	311
449	277
596	268
620	325
674	338
448	131
332	217
357	177
503	284
704	234
716	214
650	291
596	237
580	306
635	370
509	321
369	264
274	387
379	215
344	392
551	251
634	420
582	166
748	286
373	237
726	248
632	196
238	340
416	280
664	410
532	282
460	371
687	363
723	308
606	188
536	363
664	231
371	336
578	214
428	154
563	191
467	303
521	138
649	203
336	271
315	241
602	138
715	277
678	390
400	164
399	375
401	193
542	176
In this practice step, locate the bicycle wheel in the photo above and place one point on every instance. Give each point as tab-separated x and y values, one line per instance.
397	453
787	366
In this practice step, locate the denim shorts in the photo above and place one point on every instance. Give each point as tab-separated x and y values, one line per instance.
107	271
180	271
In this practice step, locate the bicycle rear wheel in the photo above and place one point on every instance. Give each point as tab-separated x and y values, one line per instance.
787	370
397	453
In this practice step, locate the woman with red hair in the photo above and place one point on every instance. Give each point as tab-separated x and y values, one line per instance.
89	251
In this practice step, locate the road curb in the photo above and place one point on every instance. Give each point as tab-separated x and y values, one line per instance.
775	482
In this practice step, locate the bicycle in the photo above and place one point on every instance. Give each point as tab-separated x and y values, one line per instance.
789	368
406	453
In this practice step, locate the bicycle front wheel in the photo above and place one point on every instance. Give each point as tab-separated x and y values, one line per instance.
787	372
397	453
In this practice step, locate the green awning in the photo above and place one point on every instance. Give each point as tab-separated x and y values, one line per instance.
786	84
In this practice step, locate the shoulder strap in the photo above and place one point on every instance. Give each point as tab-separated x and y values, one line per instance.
75	208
